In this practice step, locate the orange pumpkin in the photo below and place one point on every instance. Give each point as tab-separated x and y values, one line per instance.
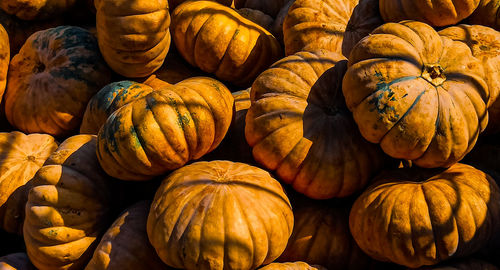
487	13
257	17
31	10
4	59
271	8
277	27
421	96
174	70
16	261
174	3
291	266
219	215
417	217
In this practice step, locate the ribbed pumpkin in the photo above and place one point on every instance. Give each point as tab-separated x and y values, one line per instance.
417	217
174	3
20	157
257	17
109	99
435	13
4	59
487	13
219	215
133	35
299	126
68	206
421	96
277	27
52	79
465	264
165	129
271	8
125	244
32	9
175	69
484	43
291	266
218	40
16	261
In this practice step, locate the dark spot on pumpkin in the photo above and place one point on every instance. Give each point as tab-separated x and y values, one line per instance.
484	48
31	158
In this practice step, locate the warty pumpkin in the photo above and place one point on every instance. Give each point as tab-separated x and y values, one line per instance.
16	261
299	127
218	40
109	99
4	59
435	13
133	35
68	206
487	13
52	79
219	215
31	9
417	217
292	266
165	129
421	96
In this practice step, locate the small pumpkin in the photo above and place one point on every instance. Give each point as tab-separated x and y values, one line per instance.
16	261
68	206
487	13
52	79
4	59
219	215
443	213
464	264
133	35
218	40
421	96
291	266
165	129
109	99
31	10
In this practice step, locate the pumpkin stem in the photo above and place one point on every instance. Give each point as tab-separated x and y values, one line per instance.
434	74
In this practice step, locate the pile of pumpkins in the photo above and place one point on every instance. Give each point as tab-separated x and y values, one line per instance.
249	134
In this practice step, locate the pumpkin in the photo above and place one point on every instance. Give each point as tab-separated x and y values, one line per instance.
4	59
321	236
165	129
299	127
421	96
271	8
175	69
20	157
487	13
52	79
109	99
484	43
218	40
417	217
291	266
465	264
125	244
277	27
68	206
133	35
435	13
16	261
174	3
257	17
31	10
219	215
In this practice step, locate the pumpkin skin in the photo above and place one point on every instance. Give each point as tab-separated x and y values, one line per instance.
52	79
435	13
291	266
299	127
16	261
31	10
165	129
190	207
174	3
277	27
133	35
175	69
443	213
236	53
421	96
4	59
20	157
271	8
465	264
125	244
484	43
109	99
68	206
487	13
257	17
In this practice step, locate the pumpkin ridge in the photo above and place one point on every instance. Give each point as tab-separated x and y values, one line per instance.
195	151
317	157
436	245
414	246
388	225
250	230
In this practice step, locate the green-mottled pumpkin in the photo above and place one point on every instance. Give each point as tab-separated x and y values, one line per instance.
109	99
218	40
291	266
421	96
299	127
16	261
52	79
416	217
4	59
165	129
36	9
219	215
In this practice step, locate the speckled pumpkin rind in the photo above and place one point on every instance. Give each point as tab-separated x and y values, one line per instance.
421	96
219	215
16	261
52	79
36	9
299	127
4	59
291	266
165	129
417	217
109	99
218	40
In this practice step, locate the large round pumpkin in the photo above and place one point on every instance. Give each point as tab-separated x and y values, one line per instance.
4	59
36	9
218	40
109	99
68	206
133	35
291	266
52	79
165	129
421	96
125	244
20	157
418	217
435	13
16	261
219	215
298	125
487	13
